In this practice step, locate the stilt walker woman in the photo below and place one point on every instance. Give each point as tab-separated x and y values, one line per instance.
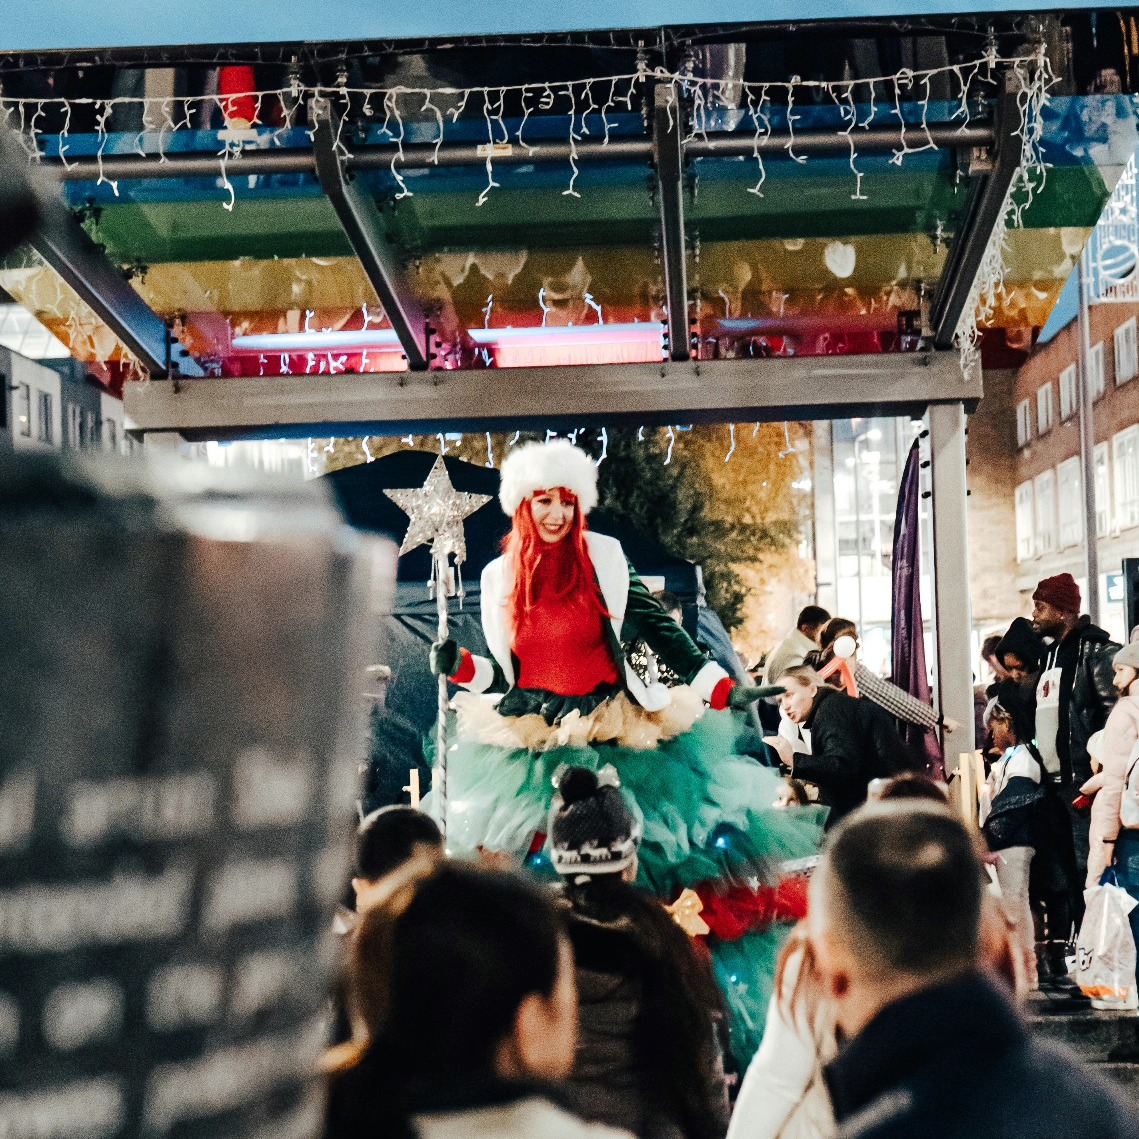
553	610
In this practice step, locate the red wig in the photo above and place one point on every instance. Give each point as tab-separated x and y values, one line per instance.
524	547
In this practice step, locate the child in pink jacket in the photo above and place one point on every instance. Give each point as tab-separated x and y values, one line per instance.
1113	750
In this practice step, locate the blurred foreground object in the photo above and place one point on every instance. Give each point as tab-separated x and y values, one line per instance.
179	654
20	213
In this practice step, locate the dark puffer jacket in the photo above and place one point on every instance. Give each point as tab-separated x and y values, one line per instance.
648	1059
1087	694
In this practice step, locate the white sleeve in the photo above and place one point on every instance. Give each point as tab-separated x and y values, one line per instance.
780	1073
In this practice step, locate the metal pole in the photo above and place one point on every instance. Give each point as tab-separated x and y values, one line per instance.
440	569
1086	397
296	160
826	548
953	615
858	528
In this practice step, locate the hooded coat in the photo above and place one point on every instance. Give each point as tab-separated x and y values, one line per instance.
1120	734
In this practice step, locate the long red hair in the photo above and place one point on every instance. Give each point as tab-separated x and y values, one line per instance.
524	547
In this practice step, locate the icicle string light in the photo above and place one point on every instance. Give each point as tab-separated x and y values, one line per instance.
577	99
1031	80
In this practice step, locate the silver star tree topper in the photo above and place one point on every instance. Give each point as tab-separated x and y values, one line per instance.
437	511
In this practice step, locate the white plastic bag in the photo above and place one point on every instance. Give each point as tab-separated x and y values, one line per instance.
1105	952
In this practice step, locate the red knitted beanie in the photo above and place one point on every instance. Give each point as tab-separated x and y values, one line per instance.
1061	592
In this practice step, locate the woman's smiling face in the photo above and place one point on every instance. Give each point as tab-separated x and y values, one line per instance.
553	513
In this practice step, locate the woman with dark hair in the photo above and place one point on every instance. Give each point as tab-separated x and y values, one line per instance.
465	1004
1021	652
1024	822
648	1059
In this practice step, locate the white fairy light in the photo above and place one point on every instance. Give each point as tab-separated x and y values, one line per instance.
732	433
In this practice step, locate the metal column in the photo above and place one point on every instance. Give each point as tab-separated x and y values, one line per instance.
826	536
1086	398
953	618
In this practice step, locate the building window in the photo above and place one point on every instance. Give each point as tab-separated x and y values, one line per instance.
24	410
1044	409
74	426
1024	519
1070	492
110	435
45	432
1044	517
1102	489
1095	371
1068	392
1023	423
91	429
1126	353
1125	460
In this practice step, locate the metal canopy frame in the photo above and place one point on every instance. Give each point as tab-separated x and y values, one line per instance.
559	397
64	244
364	227
981	220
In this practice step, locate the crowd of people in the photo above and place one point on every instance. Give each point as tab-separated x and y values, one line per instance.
1061	724
484	1003
488	993
1058	726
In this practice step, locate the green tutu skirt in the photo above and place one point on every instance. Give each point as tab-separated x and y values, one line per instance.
707	813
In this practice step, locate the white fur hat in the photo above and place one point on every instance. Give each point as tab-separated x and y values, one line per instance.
542	466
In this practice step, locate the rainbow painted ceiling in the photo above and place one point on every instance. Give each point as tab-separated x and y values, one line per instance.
805	248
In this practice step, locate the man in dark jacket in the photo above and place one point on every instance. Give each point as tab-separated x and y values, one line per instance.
1074	694
852	741
935	1050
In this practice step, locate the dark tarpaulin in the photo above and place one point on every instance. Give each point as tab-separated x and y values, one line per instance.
907	633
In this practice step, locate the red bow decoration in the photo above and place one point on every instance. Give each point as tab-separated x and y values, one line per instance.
731	913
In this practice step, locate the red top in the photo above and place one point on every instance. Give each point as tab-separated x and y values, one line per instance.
561	644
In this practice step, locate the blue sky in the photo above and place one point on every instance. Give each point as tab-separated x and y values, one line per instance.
118	23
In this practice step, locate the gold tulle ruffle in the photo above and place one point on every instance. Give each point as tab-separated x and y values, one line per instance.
618	720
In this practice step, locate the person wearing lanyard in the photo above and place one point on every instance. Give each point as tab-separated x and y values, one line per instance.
1073	696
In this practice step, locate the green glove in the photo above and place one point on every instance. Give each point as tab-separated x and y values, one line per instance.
742	696
445	658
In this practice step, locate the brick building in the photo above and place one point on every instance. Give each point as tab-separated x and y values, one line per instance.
1049	497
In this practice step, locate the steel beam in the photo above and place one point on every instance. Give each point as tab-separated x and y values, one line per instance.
424	156
981	219
668	156
64	244
801	387
953	620
364	227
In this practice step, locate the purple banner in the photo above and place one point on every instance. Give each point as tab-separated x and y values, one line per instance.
907	642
